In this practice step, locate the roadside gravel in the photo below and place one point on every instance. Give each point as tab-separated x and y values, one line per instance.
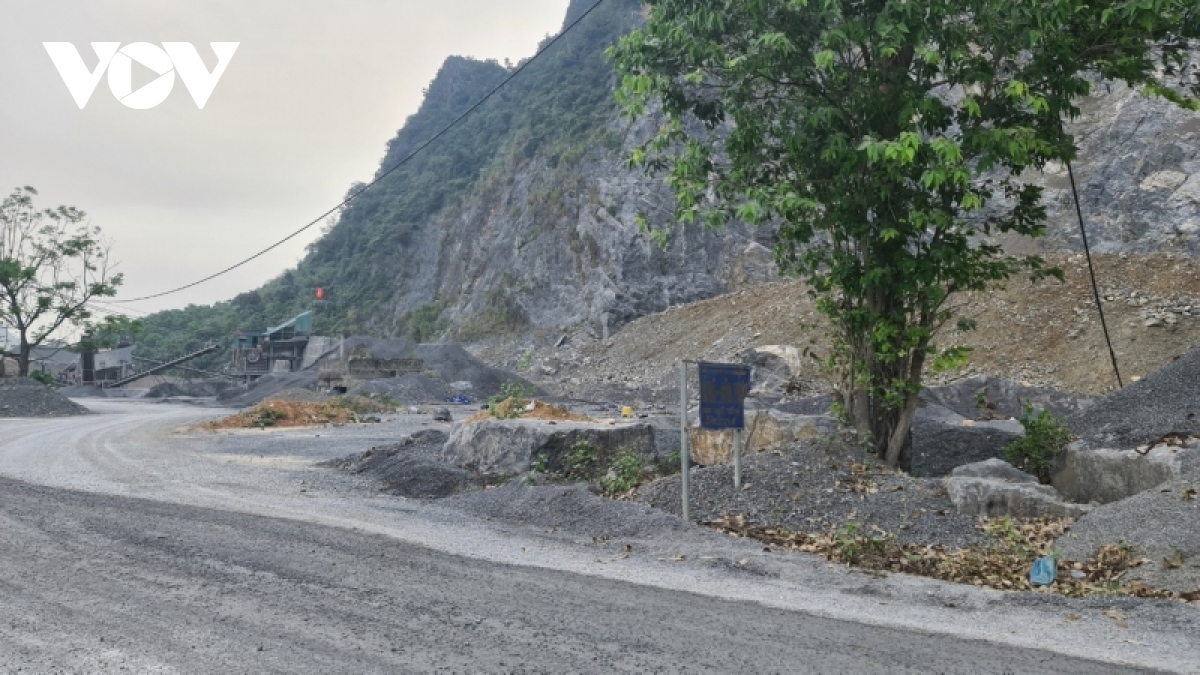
22	397
816	486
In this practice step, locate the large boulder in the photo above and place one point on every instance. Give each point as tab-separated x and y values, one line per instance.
496	446
775	370
943	440
995	469
765	430
982	397
1107	475
995	497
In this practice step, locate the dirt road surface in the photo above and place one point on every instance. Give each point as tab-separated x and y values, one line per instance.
128	544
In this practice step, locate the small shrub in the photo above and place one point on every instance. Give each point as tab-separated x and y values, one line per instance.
624	474
511	400
45	378
847	542
267	417
669	465
581	461
1046	435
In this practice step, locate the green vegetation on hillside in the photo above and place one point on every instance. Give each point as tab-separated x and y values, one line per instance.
553	109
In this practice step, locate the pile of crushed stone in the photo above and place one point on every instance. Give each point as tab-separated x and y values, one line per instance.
197	389
450	363
22	397
411	469
408	389
1167	401
817	486
267	386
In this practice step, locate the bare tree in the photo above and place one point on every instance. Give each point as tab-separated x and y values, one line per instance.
52	263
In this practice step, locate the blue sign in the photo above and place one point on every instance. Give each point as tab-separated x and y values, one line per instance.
723	389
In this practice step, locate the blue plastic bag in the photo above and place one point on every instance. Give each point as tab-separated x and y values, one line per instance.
1044	572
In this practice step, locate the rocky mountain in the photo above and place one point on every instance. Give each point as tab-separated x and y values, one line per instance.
519	225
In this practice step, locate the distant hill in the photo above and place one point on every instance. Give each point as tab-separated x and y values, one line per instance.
519	225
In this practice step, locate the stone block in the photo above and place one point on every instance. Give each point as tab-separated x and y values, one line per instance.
992	498
495	446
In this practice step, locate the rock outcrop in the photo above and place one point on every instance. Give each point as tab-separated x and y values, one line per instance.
995	488
495	446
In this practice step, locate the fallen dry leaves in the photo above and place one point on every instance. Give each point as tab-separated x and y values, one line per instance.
1002	564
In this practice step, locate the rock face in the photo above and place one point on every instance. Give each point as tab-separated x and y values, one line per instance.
1138	175
495	446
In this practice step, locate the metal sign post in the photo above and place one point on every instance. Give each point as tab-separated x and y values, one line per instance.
683	438
737	458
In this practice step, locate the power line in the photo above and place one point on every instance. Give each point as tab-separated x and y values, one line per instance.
386	173
1092	271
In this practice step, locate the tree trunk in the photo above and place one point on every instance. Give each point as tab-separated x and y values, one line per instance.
23	357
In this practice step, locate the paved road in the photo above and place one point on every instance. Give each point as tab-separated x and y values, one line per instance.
101	583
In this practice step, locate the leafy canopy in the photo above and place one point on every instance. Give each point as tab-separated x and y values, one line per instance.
886	138
52	264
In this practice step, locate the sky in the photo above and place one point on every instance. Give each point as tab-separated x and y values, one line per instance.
304	109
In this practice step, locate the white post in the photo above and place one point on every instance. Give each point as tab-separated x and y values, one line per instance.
737	458
683	439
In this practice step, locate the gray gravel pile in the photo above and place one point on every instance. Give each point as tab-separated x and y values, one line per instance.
1002	398
268	386
393	348
1166	401
812	488
408	389
451	363
197	389
1159	524
22	397
571	508
410	468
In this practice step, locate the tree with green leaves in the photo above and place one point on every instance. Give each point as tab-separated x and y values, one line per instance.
886	139
52	264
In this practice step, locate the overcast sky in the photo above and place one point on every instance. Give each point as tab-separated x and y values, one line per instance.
305	108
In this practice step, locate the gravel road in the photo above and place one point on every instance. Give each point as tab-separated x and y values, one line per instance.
99	583
188	550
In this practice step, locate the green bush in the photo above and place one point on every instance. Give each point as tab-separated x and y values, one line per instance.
624	474
45	378
1046	435
581	461
516	394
